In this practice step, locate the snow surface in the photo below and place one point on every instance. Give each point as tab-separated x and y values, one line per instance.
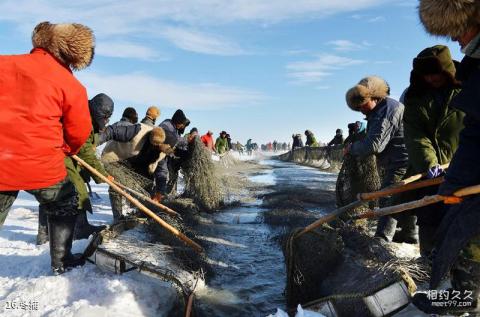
26	281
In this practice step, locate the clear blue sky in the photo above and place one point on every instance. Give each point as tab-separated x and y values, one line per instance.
259	69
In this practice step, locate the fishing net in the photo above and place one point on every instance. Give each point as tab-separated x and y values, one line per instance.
178	251
356	176
201	180
125	175
343	265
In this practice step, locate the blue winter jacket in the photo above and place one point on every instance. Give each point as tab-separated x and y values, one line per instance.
384	136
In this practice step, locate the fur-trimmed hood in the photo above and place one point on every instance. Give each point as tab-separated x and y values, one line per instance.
71	43
450	18
372	87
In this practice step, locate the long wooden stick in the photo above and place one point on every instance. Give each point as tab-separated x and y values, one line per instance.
188	310
425	201
406	185
397	189
150	200
140	206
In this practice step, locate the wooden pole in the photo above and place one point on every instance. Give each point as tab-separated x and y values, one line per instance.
188	310
425	201
150	200
396	189
406	185
327	218
140	206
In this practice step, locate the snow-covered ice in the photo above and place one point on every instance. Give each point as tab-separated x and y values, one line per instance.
28	288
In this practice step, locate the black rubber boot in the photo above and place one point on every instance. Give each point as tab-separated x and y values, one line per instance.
60	229
386	228
426	236
42	234
409	230
83	229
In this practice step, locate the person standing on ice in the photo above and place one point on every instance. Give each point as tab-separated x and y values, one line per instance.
207	139
384	139
45	117
166	173
458	251
432	130
337	139
221	144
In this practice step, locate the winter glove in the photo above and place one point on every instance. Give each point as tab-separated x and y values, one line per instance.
110	178
166	148
435	171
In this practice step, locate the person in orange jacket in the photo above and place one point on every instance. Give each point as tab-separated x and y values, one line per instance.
45	117
207	139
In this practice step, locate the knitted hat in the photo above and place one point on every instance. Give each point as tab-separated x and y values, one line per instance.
367	88
153	112
157	136
451	18
71	43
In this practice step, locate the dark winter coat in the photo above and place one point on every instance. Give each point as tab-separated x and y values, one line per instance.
172	135
464	169
148	121
337	140
432	126
119	132
297	142
462	221
384	136
148	155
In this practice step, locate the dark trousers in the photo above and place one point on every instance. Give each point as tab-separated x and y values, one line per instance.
59	199
166	174
387	224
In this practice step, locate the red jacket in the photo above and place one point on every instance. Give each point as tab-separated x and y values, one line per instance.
208	141
43	116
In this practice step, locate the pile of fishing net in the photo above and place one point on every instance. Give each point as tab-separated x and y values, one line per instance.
157	237
343	266
201	180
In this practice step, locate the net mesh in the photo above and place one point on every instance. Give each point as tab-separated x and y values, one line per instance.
201	180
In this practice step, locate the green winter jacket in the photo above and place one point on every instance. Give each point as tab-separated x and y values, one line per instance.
221	145
75	172
432	130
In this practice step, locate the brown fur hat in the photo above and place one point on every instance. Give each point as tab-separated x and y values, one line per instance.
372	87
71	43
450	18
153	112
157	136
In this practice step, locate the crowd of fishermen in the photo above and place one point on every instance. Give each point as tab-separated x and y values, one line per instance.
44	102
435	122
